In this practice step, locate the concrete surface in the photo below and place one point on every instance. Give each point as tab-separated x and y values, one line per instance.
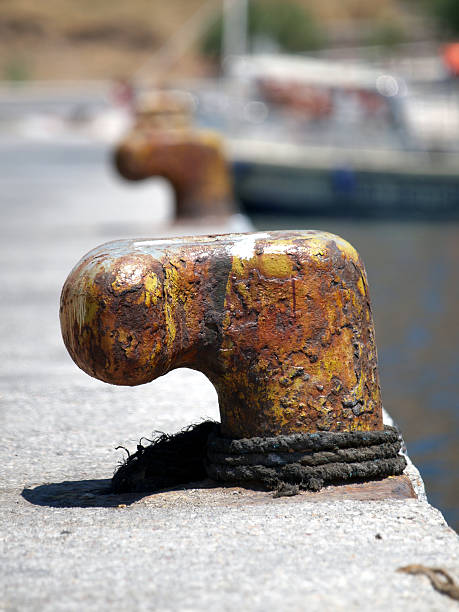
66	546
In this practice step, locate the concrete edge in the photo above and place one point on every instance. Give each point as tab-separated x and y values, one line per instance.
411	470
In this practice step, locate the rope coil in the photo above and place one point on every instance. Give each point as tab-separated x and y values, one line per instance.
308	461
284	463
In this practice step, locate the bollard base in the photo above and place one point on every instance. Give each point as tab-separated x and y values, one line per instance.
283	464
210	493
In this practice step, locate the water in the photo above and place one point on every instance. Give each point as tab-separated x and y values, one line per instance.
413	272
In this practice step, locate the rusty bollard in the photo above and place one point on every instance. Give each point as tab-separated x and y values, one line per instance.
280	322
163	143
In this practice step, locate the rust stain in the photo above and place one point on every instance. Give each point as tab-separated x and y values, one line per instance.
280	322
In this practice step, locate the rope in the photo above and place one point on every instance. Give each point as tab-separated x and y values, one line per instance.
307	461
285	464
167	462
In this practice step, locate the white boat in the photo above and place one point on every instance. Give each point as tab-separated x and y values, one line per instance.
312	136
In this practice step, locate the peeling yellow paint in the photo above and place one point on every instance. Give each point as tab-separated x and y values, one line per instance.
361	286
152	289
275	265
170	301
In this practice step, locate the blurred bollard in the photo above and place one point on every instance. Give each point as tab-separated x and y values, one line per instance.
163	143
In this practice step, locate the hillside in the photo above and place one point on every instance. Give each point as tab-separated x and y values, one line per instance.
63	39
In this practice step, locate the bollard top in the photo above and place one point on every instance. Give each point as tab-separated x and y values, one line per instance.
163	109
280	322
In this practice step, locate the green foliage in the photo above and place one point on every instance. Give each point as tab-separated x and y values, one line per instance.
446	12
211	42
388	34
285	22
16	70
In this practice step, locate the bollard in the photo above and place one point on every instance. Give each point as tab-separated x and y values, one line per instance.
280	322
163	143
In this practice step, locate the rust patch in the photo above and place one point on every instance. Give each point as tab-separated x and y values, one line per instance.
393	487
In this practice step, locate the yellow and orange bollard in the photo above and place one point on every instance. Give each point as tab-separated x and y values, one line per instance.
280	322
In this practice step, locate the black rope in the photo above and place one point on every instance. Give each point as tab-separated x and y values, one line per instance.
282	463
307	461
167	462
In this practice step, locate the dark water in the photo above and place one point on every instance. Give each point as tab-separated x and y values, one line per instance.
413	272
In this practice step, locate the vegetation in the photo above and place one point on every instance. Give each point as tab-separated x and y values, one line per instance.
286	23
447	14
64	39
388	33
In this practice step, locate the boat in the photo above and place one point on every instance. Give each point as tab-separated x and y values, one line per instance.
308	136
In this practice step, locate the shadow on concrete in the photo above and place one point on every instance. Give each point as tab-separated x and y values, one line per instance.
91	494
97	493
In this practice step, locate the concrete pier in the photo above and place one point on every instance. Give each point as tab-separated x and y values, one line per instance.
67	545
